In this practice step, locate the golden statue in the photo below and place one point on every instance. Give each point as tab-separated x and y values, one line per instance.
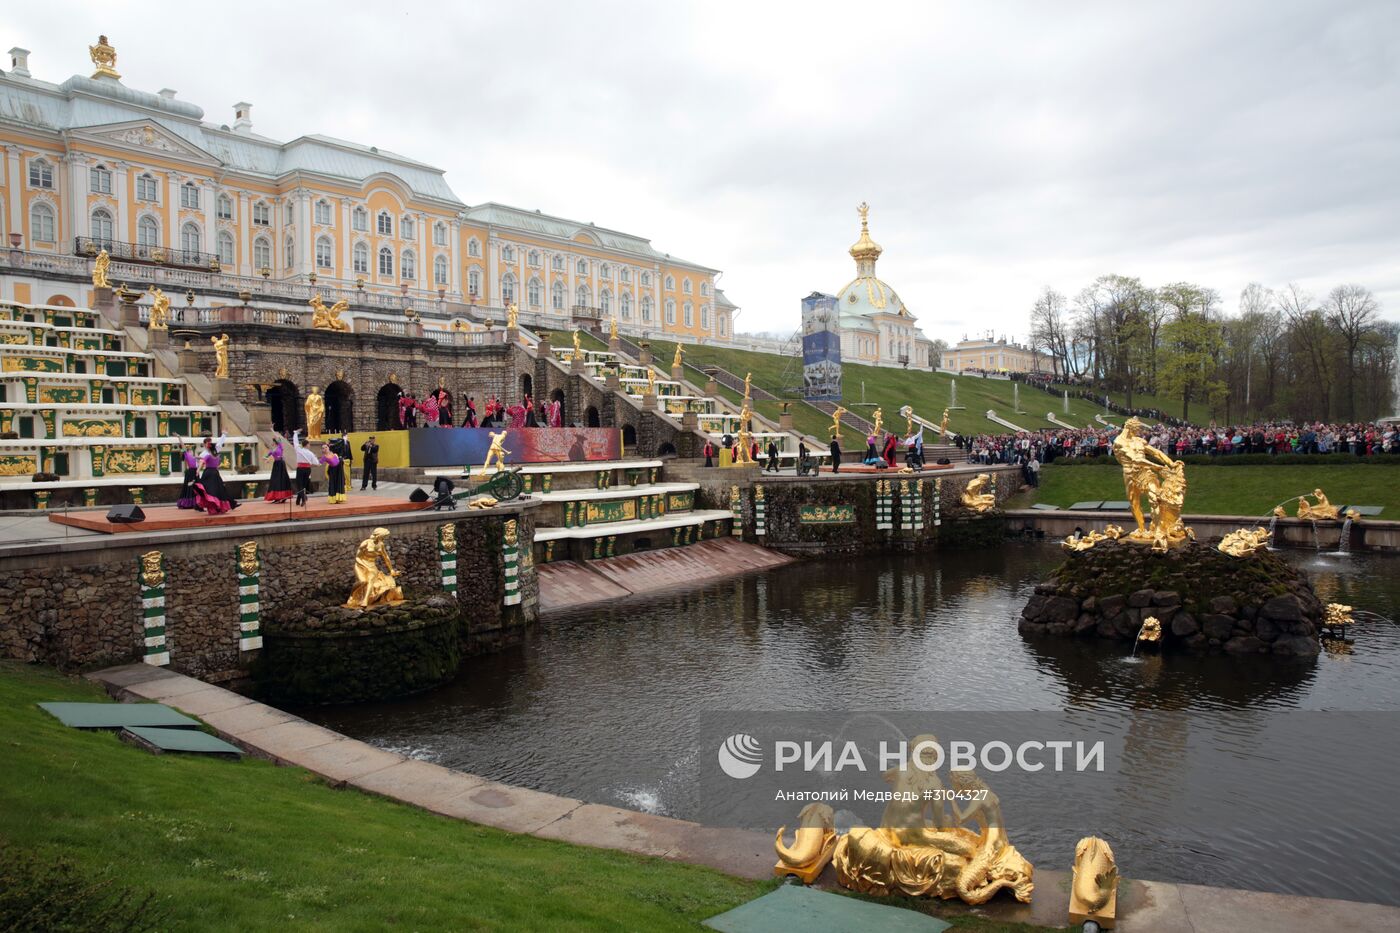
315	414
813	841
220	353
482	502
578	346
1150	631
651	381
160	320
907	412
748	385
458	324
943	425
879	420
974	498
248	558
1244	541
512	316
497	452
105	58
1093	894
323	318
612	329
1321	512
152	574
1113	532
745	442
1149	472
676	360
99	270
374	587
836	422
1083	542
1337	615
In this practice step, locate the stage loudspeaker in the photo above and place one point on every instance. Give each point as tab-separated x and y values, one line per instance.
419	495
126	514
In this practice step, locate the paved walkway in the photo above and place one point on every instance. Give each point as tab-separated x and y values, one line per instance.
1143	906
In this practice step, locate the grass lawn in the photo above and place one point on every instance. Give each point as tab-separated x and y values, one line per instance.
247	845
1231	490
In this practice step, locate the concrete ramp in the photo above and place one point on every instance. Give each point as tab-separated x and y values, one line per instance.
566	584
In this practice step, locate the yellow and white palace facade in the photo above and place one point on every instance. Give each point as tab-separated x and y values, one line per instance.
92	163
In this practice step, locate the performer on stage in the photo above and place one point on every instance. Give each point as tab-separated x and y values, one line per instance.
556	414
469	420
306	459
210	493
429	408
891	447
335	475
187	499
279	487
444	401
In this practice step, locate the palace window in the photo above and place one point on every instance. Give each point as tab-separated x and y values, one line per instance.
189	196
557	296
439	234
508	288
226	248
190	241
324	250
557	263
223	207
474	248
704	288
474	282
289	216
323	213
604	271
646	309
605	301
534	258
146	187
408	265
646	280
704	318
723	325
689	315
582	268
440	271
99	180
147	232
408	230
289	252
626	306
360	258
262	253
40	174
670	283
41	223
582	296
262	214
386	262
624	274
533	292
685	286
359	219
384	226
102	228
670	311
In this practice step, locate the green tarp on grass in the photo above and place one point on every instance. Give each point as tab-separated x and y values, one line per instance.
179	740
117	715
794	907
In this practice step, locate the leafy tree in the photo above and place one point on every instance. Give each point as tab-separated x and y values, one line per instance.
1192	343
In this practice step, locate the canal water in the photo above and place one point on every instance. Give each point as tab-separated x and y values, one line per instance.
602	704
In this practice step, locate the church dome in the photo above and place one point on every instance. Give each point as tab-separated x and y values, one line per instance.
866	294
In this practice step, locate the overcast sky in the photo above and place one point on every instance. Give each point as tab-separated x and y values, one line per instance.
1002	146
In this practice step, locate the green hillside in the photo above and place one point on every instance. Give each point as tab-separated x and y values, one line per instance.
1170	406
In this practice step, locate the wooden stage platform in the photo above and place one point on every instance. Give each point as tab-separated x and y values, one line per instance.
890	472
250	512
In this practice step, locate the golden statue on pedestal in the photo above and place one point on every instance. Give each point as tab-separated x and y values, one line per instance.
99	270
1093	895
745	435
497	452
907	413
315	414
1149	472
651	381
748	385
323	318
943	425
974	498
676	360
578	347
374	587
220	352
879	420
160	318
513	316
836	422
813	842
1244	541
105	58
1323	511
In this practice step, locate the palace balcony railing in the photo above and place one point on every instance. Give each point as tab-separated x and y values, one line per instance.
140	252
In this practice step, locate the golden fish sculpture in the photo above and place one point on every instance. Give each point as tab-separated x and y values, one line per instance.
813	842
1093	895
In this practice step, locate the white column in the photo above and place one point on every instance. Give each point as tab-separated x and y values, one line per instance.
347	271
77	196
455	285
424	251
209	197
169	237
121	190
245	234
15	178
493	266
306	256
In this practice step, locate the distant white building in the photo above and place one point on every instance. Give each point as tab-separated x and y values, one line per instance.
876	327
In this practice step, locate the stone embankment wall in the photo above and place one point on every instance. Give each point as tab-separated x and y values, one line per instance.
79	604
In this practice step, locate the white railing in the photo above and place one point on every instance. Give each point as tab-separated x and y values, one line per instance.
466	338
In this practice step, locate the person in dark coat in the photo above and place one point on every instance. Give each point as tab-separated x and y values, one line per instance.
709	451
369	473
772	465
835	455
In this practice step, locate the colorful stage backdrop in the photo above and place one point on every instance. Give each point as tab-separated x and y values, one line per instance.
438	447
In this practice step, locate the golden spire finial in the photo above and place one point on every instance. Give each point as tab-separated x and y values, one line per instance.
104	57
865	249
864	211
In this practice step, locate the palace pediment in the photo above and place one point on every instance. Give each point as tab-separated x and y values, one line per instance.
145	136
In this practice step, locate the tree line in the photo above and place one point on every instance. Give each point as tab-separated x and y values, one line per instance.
1281	354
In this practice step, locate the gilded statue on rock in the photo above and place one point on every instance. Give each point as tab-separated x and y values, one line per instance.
1149	472
220	354
1244	541
973	496
373	586
100	268
315	414
1321	511
323	318
813	842
1093	894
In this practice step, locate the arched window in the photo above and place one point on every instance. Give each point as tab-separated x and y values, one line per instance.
508	254
40	174
289	215
102	227
42	228
189	196
289	252
189	242
605	301
439	234
146	187
408	230
670	283
474	282
723	325
582	296
384	226
646	280
223	207
704	317
440	271
147	232
557	296
508	288
359	219
626	306
685	286
408	265
99	180
262	253
323	212
474	248
360	257
225	248
704	288
670	311
262	214
605	271
533	292
534	258
582	268
624	274
646	308
325	249
386	261
689	311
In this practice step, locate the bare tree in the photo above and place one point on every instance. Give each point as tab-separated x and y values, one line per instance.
1352	312
1050	330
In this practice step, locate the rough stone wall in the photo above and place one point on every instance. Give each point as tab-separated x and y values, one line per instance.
81	607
